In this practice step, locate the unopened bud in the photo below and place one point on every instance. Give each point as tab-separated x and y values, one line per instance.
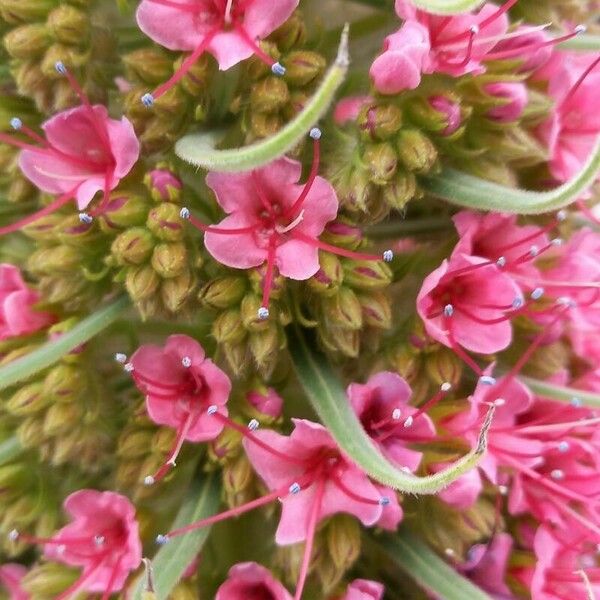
343	310
165	222
265	346
197	79
291	34
266	403
60	418
124	210
150	66
376	309
269	95
249	311
48	580
223	292
303	67
69	25
449	114
381	162
415	150
164	186
60	259
400	190
379	122
25	11
227	327
141	282
343	541
511	99
226	446
27	400
329	277
27	41
169	259
175	292
367	275
265	125
135	444
133	247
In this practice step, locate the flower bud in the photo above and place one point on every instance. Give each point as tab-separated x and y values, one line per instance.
227	327
150	66
265	124
367	275
303	67
415	150
13	478
141	282
400	190
379	122
381	162
133	247
343	541
31	432
237	476
60	259
340	233
223	292
65	383
376	309
343	310
257	276
269	94
162	440
266	404
511	100
60	418
175	292
27	41
28	400
226	446
169	259
450	117
165	223
404	360
249	313
163	184
69	55
197	79
265	346
25	11
353	191
70	230
329	277
48	579
69	25
256	67
135	444
237	357
124	209
291	34
20	189
443	366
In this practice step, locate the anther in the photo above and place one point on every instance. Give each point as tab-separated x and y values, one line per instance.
60	68
537	293
13	535
388	256
517	302
448	310
557	474
85	218
121	358
503	489
212	409
186	361
563	446
534	251
384	501
161	539
16	123
561	215
408	422
184	213
253	425
474	29
61	549
396	414
278	69
449	552
446	386
575	401
487	380
501	262
294	488
148	480
566	301
315	133
98	540
499	402
148	100
128	367
557	242
263	313
580	29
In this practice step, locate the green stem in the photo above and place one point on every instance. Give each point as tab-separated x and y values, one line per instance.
52	351
583	42
561	393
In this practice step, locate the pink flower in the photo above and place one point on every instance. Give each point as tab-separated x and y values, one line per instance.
348	109
514	97
363	589
228	29
11	575
466	301
450	110
102	539
163	184
184	390
382	405
533	47
251	581
267	402
18	315
404	58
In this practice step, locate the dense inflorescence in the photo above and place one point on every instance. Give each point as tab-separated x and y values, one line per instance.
296	317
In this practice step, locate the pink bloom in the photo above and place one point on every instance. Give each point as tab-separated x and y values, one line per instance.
348	109
18	315
382	405
251	581
466	301
11	575
184	390
163	184
450	110
532	46
404	58
363	589
268	403
514	97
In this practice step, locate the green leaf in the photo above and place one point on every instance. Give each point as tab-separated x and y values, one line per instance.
199	148
471	192
561	393
9	448
583	42
421	563
173	558
52	351
329	400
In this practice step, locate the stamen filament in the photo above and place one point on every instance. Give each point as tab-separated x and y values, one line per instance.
314	170
268	282
578	83
255	47
333	249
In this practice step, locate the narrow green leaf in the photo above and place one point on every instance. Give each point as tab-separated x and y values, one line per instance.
561	393
54	350
9	448
173	559
329	400
583	42
472	192
421	563
447	7
199	148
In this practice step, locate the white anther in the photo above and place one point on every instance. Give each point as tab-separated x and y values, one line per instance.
499	402
561	215
121	358
449	552
263	313
384	501
278	69
148	480
557	474
408	422
557	242
534	250
388	256
13	535
16	123
60	68
128	367
253	425
315	133
580	29
563	446
184	213
98	540
396	414
147	100
487	380
517	302
576	402
448	310
86	218
537	293
212	409
161	539
61	549
186	361
503	490
474	29
294	488
446	386
501	262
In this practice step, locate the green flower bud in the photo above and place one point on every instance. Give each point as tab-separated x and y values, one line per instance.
256	67
343	541
345	341
73	232
20	189
249	307
237	357
379	122
444	366
150	66
169	259
303	66
69	55
141	282
28	400
492	170
226	446
353	191
367	274
198	77
134	444
381	162
227	327
400	190
238	476
163	184
341	233
327	280
257	280
44	228
269	94
27	41
31	432
133	247
24	11
223	292
298	100
416	151
376	309
292	33
60	418
432	113
265	346
69	25
60	259
343	310
13	479
175	292
265	125
48	580
124	209
165	223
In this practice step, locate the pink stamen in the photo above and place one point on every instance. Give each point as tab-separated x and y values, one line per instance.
458	350
583	207
314	170
333	249
255	47
469	52
113	578
78	585
270	274
578	83
442	393
529	238
222	230
337	481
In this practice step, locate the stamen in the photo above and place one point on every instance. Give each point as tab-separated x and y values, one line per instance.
578	84
185	214
268	282
253	425
227	16
444	389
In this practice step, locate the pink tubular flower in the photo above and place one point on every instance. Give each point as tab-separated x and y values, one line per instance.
451	110
514	100
364	589
11	575
348	109
83	152
273	220
184	390
467	302
18	315
382	406
251	581
102	538
228	29
267	402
